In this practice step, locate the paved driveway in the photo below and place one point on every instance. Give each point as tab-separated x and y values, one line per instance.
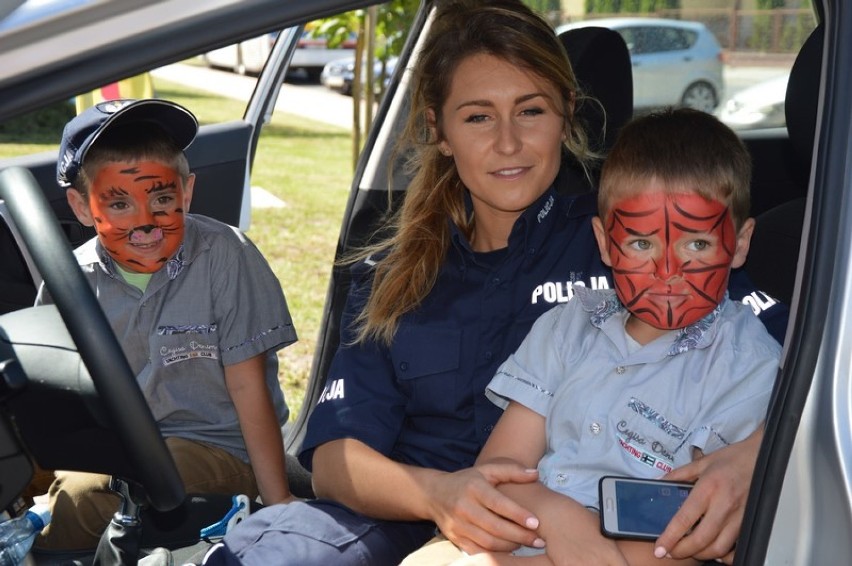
308	100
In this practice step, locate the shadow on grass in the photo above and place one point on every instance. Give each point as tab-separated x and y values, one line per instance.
44	126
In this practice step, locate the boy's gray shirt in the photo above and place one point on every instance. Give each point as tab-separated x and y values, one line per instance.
215	303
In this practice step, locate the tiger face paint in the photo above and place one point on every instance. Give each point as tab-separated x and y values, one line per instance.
671	255
137	209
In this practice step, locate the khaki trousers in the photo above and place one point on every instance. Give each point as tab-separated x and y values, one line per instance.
437	552
82	504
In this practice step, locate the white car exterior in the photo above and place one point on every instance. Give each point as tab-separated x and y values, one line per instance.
311	55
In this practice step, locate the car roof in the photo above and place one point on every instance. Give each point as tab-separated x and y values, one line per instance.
98	42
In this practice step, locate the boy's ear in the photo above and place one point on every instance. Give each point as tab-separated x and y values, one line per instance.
600	236
743	243
188	187
80	206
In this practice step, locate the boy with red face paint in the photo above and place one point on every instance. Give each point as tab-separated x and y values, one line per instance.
198	312
648	377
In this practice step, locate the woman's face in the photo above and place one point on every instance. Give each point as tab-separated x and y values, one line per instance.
502	128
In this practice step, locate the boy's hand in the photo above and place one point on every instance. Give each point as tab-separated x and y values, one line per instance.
573	533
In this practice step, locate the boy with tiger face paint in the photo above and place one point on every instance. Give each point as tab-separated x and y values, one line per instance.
195	306
138	212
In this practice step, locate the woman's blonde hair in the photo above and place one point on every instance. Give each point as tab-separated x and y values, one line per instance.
412	256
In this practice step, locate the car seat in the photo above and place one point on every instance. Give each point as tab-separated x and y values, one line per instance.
773	257
601	63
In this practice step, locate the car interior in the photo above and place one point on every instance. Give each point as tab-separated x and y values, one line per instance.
58	380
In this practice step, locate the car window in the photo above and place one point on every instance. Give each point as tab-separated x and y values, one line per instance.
733	64
669	39
653	39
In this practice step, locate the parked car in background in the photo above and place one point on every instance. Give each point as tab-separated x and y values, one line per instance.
675	63
311	54
339	74
756	107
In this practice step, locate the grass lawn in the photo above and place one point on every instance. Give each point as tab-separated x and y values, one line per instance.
304	163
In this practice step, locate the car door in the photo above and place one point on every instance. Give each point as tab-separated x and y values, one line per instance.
97	43
800	507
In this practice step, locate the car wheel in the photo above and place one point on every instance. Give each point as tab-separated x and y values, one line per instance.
700	96
314	74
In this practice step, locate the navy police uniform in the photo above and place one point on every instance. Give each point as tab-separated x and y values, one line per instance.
421	401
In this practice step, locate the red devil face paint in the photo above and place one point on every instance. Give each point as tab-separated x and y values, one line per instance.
671	256
138	213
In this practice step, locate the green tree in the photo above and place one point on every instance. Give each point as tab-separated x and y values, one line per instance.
393	19
762	30
549	9
629	6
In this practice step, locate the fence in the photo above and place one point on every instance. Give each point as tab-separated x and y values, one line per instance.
782	30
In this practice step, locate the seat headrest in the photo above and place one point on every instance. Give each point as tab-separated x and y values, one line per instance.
800	106
601	63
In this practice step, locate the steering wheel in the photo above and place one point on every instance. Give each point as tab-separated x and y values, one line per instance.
96	343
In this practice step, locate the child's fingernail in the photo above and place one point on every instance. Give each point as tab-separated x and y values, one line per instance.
531	470
531	523
538	543
660	552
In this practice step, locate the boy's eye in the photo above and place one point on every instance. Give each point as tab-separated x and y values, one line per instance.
640	245
165	199
118	205
698	245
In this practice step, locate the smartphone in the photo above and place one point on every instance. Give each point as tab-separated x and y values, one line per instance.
637	508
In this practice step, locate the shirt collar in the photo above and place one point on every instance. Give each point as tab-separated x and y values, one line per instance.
188	250
699	334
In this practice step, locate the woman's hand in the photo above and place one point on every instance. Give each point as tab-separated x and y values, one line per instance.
475	516
718	500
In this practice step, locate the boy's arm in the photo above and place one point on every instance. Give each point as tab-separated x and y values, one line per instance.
246	385
570	530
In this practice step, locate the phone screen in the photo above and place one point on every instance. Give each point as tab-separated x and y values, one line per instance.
641	508
647	508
